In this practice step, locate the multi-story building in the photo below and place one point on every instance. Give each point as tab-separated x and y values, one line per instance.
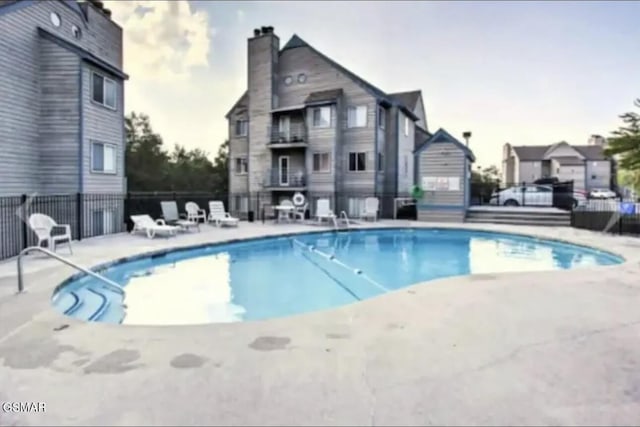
307	124
61	103
586	165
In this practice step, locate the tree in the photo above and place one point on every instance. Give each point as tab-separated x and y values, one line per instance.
150	168
625	142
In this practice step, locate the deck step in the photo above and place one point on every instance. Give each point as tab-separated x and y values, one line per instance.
514	217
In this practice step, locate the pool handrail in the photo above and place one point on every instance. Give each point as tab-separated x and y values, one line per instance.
116	287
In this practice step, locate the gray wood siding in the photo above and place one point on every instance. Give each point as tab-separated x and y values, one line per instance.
405	150
323	140
20	85
321	75
238	147
442	160
601	170
59	119
104	125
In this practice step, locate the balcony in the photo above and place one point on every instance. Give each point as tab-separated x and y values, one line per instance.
293	136
282	179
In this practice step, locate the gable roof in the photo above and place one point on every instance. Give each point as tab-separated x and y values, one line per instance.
530	153
243	98
421	136
442	136
296	42
408	99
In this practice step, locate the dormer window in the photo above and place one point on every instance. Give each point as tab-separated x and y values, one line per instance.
242	126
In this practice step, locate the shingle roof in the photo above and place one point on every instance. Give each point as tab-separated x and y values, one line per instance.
591	152
408	99
442	135
243	98
528	153
569	161
323	96
295	42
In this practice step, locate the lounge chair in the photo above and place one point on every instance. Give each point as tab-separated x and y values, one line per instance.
171	216
323	210
370	210
47	230
219	216
194	213
146	224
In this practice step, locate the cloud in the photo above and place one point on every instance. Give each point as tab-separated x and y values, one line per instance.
163	40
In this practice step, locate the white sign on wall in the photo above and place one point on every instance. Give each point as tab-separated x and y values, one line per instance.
434	183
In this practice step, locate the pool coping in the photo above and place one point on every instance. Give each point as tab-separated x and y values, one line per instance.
414	225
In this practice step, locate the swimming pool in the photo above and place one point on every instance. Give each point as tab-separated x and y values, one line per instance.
282	276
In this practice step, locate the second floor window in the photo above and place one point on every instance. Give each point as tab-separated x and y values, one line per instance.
357	162
103	158
321	162
242	126
357	116
321	117
382	117
241	165
405	166
380	162
103	91
406	126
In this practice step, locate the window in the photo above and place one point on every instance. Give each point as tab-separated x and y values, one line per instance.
104	91
241	165
406	126
288	80
242	126
557	170
357	162
76	32
321	162
241	203
103	158
355	206
55	19
594	177
382	117
357	116
302	78
103	222
405	166
380	162
322	117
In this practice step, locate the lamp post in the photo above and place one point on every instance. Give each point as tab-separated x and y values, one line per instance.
466	135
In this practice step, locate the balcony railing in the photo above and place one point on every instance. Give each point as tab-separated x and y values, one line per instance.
278	178
296	134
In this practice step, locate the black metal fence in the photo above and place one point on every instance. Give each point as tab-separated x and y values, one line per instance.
90	215
536	194
609	216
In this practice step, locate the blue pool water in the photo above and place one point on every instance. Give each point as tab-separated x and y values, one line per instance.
274	277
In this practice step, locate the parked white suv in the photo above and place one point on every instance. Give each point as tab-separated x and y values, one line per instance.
531	195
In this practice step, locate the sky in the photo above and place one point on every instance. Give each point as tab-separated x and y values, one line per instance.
527	73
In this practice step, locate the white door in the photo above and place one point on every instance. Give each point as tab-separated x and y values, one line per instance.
284	127
284	170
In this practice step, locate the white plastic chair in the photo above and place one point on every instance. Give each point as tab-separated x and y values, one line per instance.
219	216
194	213
370	209
44	226
146	224
323	210
300	211
172	217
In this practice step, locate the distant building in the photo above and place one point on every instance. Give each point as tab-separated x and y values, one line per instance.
586	165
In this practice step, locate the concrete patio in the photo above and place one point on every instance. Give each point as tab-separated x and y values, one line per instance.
549	348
